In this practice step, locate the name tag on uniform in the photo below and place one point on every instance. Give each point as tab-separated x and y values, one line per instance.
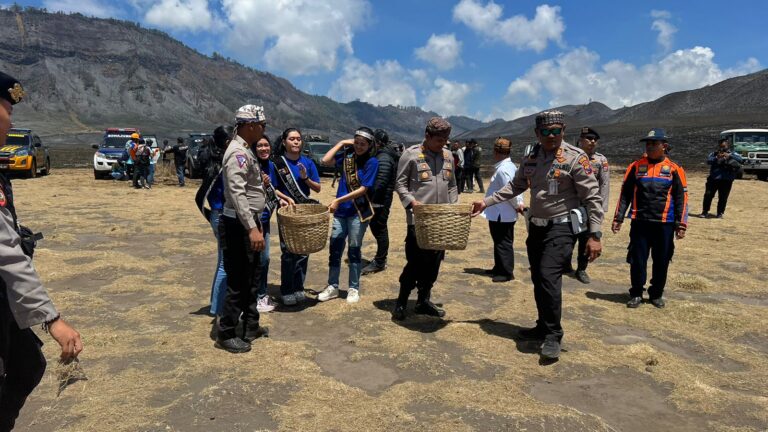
553	186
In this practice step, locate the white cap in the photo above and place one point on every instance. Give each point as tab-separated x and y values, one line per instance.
250	114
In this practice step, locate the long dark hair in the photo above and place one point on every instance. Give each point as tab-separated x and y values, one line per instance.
256	153
371	144
280	147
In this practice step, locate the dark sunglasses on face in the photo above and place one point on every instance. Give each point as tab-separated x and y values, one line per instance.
550	131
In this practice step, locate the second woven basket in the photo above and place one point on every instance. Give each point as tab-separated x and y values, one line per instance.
442	226
304	228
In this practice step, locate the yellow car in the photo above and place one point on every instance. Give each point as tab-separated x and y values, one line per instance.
24	153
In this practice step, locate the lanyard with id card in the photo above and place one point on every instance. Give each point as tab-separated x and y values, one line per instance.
553	183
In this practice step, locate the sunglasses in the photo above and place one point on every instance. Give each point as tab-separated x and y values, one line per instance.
550	131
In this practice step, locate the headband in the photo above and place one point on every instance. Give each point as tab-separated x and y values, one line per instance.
365	135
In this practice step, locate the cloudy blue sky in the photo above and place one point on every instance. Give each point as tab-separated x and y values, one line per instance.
485	59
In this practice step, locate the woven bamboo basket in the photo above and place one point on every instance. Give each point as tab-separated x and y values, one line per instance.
304	228
442	226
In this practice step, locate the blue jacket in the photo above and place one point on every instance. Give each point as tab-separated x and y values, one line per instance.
724	168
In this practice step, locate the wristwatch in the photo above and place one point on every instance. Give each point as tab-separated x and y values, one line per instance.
597	235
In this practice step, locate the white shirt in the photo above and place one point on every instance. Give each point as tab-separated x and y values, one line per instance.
504	211
460	154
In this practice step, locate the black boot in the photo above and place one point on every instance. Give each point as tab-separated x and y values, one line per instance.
234	345
374	266
398	313
251	335
426	307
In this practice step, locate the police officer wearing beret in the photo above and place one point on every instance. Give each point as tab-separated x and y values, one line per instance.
561	179
24	302
588	142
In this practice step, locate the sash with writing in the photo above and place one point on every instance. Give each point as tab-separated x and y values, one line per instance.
271	202
362	204
291	185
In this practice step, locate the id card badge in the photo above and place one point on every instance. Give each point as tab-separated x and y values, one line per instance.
553	186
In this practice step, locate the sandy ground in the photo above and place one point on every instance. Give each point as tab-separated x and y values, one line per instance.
132	271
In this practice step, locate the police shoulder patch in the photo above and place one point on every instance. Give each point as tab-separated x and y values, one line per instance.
666	169
584	162
241	160
642	169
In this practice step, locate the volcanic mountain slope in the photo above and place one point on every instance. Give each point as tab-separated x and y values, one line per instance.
85	74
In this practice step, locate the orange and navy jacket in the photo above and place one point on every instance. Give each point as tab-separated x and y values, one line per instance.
654	192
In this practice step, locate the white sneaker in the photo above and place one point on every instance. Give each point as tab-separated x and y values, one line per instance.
353	296
264	305
330	292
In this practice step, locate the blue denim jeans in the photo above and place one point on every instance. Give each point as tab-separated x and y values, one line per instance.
343	228
180	173
219	286
293	270
264	263
151	176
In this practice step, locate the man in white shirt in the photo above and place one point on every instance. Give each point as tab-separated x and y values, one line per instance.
502	217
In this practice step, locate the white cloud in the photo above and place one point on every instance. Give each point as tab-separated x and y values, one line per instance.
443	51
517	31
190	15
576	77
85	7
448	97
666	30
298	37
384	83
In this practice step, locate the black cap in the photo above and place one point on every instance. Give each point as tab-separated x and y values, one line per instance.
381	136
588	132
11	89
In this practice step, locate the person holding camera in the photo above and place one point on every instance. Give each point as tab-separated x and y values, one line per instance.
724	165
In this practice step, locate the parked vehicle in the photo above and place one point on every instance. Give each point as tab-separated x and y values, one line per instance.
752	145
24	153
315	147
110	150
194	147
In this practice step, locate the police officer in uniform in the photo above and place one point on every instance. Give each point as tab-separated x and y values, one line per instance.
425	175
24	302
560	178
588	142
241	234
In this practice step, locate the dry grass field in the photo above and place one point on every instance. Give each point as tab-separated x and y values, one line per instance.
132	271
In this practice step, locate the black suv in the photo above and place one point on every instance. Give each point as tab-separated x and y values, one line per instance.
315	147
194	147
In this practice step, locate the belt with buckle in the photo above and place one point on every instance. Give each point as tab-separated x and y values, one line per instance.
229	212
542	222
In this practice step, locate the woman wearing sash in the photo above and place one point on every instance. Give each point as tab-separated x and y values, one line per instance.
352	209
296	176
275	199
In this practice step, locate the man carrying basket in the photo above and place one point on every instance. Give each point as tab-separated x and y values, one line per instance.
561	178
425	175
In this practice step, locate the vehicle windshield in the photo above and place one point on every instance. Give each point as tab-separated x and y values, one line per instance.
751	138
17	140
319	148
115	141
